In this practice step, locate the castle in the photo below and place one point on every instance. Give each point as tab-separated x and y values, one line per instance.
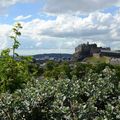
82	51
85	50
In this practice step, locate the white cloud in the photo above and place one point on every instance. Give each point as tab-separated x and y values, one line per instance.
6	3
67	31
21	17
4	33
71	6
98	27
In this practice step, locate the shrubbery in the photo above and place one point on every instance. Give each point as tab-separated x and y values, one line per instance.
66	92
14	69
96	97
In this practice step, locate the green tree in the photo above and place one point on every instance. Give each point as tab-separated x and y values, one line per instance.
50	65
15	34
13	69
66	69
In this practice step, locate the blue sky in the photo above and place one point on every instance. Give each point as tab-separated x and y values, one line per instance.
59	26
32	8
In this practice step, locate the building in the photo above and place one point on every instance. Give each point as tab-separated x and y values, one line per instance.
112	54
114	61
85	50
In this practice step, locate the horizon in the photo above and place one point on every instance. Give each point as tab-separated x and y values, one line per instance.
113	50
51	51
52	26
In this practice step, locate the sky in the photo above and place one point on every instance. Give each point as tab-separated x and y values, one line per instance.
58	26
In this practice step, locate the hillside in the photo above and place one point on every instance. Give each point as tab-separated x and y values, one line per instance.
97	59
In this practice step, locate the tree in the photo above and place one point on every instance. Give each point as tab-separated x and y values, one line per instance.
16	33
14	71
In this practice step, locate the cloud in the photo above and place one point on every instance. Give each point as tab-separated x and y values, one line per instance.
21	17
4	4
68	26
80	6
4	35
67	31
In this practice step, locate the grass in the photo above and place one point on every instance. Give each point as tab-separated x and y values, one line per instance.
97	59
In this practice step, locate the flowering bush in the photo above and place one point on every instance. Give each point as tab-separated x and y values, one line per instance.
96	97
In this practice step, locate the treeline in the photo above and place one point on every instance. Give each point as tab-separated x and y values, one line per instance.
56	70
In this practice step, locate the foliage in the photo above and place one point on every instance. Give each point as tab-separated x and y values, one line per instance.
72	91
96	97
15	34
54	70
13	69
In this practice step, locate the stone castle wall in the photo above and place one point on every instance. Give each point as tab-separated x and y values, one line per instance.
85	50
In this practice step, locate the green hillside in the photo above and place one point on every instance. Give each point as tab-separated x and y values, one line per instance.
97	59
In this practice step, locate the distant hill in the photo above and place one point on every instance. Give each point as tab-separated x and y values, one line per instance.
53	56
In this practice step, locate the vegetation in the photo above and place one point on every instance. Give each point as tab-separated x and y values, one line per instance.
95	97
56	91
13	69
97	59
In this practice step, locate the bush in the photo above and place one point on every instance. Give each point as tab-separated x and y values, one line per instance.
96	97
14	70
71	92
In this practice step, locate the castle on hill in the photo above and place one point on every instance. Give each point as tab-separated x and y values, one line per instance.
86	50
82	51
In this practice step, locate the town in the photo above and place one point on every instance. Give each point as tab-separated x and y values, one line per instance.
82	52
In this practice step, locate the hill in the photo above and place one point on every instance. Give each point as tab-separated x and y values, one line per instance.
97	59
